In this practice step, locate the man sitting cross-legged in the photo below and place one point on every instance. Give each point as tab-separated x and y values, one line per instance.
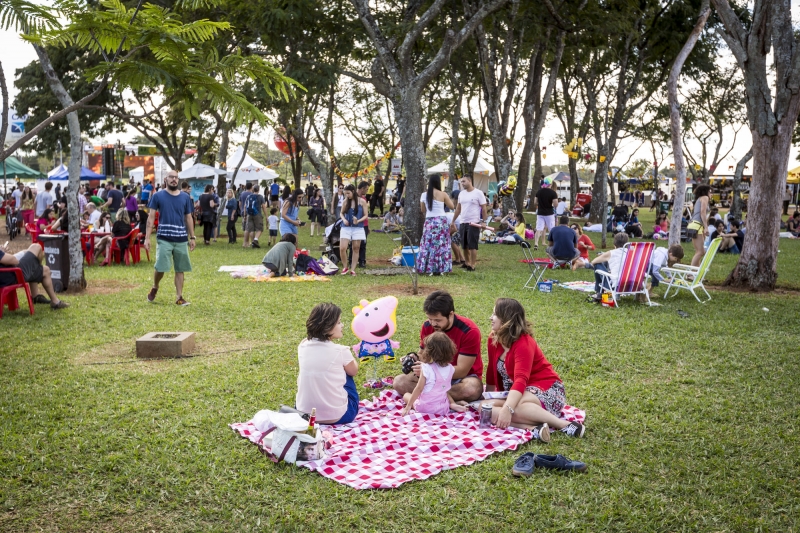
466	382
30	262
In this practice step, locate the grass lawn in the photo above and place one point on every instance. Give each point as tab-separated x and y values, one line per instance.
692	423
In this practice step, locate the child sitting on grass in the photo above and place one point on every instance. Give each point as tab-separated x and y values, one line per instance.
430	395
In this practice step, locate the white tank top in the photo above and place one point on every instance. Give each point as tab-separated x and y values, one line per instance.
438	207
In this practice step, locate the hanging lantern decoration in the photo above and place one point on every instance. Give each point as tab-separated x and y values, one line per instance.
672	165
602	159
697	167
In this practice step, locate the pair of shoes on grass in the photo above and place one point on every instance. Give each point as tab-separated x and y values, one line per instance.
529	461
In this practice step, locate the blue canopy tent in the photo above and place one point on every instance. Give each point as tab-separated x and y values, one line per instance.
86	175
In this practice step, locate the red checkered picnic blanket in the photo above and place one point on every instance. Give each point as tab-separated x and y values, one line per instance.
381	450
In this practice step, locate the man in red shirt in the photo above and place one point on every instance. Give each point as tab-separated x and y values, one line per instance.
467	384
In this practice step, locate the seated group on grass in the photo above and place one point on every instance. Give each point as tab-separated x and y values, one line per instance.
446	375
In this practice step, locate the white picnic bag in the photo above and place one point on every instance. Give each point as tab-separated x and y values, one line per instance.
284	437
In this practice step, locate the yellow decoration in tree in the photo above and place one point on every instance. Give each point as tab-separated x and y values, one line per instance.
580	142
602	159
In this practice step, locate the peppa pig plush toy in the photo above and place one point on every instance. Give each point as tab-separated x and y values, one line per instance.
375	323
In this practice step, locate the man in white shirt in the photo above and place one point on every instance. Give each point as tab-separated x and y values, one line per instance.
472	209
17	196
44	199
561	208
611	262
94	214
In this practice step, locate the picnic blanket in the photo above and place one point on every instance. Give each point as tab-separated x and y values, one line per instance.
381	450
259	273
582	286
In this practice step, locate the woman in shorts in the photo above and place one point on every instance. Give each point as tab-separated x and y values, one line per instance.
697	230
353	215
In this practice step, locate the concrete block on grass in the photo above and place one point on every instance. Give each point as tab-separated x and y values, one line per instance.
165	344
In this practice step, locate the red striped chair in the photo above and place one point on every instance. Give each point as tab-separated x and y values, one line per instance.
633	274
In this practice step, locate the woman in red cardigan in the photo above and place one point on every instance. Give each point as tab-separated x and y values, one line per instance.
517	365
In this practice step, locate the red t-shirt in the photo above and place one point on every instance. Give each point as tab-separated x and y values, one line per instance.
525	364
587	244
467	337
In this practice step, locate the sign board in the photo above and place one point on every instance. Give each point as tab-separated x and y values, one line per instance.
16	127
56	256
147	150
198	187
397	167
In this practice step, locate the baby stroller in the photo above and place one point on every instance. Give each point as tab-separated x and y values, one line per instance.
332	241
11	223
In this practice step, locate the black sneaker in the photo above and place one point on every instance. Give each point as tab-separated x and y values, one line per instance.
254	244
559	462
40	299
575	429
542	433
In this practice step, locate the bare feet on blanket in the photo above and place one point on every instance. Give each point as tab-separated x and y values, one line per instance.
457	407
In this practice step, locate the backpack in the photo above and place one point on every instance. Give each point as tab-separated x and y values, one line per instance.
251	206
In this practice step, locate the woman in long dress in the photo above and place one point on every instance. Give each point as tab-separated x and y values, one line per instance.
434	256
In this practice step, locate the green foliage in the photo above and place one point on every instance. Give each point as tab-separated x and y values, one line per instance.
35	99
154	47
26	17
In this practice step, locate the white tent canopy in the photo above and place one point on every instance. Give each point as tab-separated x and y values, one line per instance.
137	174
249	170
482	174
199	171
60	168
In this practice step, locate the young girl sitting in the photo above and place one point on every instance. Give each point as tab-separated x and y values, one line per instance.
430	395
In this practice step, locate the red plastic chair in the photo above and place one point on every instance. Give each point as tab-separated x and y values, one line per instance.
8	294
33	230
137	250
129	254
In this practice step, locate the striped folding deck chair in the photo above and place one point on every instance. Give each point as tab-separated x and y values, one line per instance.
634	272
689	277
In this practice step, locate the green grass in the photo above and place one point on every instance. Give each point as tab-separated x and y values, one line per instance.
693	423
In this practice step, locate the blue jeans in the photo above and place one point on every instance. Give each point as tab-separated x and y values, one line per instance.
352	402
599	279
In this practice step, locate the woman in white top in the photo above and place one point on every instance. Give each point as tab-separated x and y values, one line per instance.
434	256
325	381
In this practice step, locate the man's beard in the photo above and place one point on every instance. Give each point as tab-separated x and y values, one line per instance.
172	187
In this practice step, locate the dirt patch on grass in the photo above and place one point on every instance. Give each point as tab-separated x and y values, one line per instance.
106	286
403	289
211	347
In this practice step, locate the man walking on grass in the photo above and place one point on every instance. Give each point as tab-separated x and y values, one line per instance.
472	209
175	236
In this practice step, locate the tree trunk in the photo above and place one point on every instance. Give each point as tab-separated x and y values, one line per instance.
574	182
736	200
599	211
757	266
409	124
456	126
222	158
77	281
319	165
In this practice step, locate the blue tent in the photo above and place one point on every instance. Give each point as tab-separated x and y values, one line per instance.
86	175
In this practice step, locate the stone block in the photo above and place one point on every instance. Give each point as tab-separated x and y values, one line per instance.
165	344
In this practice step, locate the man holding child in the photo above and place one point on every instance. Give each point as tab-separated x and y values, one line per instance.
466	384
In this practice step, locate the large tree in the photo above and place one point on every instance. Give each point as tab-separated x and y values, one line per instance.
401	73
772	111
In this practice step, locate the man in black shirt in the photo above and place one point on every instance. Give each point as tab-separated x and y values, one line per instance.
545	202
377	195
30	262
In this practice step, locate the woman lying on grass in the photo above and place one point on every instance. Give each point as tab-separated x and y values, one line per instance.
516	364
325	381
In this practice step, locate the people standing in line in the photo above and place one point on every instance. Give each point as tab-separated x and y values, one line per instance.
290	213
697	230
174	237
353	215
471	209
254	208
545	203
207	214
231	206
434	256
248	190
44	199
274	194
317	208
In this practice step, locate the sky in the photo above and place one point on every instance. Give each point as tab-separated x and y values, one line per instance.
16	54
